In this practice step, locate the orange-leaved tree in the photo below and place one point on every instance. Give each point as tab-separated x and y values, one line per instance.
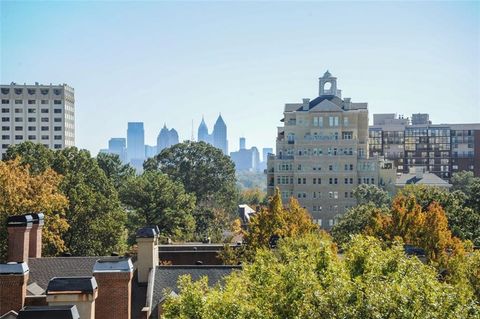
425	228
277	221
22	192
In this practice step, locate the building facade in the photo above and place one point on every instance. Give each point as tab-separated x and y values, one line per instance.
322	154
37	113
442	149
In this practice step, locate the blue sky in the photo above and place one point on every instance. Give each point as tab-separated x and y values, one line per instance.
172	62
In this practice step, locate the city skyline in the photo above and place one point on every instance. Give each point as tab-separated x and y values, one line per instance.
242	59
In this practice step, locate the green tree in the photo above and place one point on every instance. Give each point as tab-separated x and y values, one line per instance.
253	197
462	181
358	220
115	170
369	193
204	171
97	221
305	278
154	199
36	155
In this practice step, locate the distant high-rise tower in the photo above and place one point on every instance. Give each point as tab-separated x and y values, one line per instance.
173	137
118	145
203	135
166	138
242	143
220	135
136	144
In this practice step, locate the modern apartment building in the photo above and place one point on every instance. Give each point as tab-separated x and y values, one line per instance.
442	149
322	154
38	113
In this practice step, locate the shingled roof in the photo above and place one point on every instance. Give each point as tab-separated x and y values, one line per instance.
166	277
44	269
332	98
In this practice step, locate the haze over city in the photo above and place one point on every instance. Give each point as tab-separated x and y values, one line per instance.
174	62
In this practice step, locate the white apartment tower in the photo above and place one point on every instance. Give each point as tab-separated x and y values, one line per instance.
38	113
322	153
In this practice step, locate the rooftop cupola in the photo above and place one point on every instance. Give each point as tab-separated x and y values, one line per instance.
328	85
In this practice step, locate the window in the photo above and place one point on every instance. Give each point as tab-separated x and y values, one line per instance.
333	121
32	119
44	128
44	119
5	128
32	128
31	111
5	91
5	145
44	137
18	128
18	111
18	91
57	102
57	119
57	111
44	102
347	135
5	137
31	91
330	222
18	137
5	119
59	137
18	119
314	181
5	101
31	102
18	101
57	146
345	121
32	137
5	110
44	110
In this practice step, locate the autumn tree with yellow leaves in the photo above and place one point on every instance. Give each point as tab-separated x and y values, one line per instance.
22	192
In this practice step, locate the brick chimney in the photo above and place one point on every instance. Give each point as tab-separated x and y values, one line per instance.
147	241
18	237
13	286
114	279
35	247
78	291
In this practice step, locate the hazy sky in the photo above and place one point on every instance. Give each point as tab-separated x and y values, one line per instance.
172	62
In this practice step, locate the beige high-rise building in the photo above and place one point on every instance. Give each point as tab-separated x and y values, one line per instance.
38	113
322	154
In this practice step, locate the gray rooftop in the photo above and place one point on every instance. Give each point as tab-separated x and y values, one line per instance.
45	268
166	278
426	179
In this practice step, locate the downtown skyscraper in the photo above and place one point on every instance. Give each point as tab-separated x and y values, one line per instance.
136	144
218	138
